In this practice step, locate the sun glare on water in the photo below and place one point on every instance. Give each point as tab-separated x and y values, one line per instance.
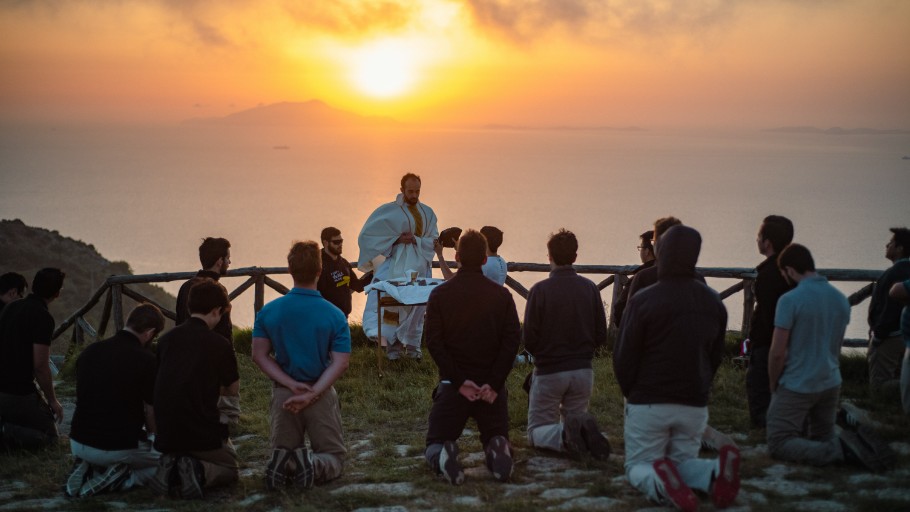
386	68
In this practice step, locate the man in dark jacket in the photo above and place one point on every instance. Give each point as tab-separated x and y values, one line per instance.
215	257
472	334
648	276
671	344
564	323
775	233
886	345
648	259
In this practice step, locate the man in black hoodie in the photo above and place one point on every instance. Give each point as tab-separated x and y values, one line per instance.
472	334
670	347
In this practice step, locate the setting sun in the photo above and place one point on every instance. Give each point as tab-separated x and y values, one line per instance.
385	68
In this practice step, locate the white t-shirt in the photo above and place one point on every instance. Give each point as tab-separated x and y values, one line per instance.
495	269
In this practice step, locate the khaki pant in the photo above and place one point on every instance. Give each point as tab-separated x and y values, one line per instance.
220	464
884	357
552	398
789	412
320	422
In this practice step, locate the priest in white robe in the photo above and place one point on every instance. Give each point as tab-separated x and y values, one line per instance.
398	237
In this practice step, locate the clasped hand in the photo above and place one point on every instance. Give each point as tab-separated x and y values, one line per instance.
303	397
470	390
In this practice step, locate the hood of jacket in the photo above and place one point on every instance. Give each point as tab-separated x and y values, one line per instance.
677	252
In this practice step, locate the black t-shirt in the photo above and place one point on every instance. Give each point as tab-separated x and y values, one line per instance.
114	378
182	309
23	323
337	281
193	364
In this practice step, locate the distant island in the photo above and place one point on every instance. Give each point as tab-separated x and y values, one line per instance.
836	130
563	128
27	249
313	113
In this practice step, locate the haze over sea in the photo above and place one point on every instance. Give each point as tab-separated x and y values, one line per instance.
148	195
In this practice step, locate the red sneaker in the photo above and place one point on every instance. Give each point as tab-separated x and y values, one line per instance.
726	485
676	492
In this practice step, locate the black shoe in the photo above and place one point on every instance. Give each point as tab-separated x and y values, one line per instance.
865	448
276	472
597	444
164	483
192	478
571	434
81	472
109	480
448	464
304	474
499	458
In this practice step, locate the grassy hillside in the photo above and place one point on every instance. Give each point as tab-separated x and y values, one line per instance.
27	249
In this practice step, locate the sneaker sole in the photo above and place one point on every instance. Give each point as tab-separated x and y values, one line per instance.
190	487
305	474
501	461
598	445
574	441
679	494
276	475
726	485
448	464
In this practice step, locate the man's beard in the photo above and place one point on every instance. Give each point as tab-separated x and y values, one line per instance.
412	201
223	270
332	250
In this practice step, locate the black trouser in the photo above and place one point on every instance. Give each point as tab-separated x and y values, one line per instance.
27	421
451	411
758	386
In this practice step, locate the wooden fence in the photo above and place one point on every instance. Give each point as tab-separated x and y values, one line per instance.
115	287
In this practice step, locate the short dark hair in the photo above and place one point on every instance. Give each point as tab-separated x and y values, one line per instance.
563	247
305	261
902	238
646	240
11	280
493	236
207	294
778	229
211	250
797	257
146	316
48	282
329	232
409	176
662	224
471	248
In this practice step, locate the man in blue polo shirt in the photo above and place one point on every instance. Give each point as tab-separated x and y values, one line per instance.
303	343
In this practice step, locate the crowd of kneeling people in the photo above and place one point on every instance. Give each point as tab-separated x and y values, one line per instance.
161	419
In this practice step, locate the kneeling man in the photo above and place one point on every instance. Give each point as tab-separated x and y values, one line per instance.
115	383
197	370
670	346
472	334
311	341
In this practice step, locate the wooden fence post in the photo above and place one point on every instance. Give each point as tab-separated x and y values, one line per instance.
105	313
618	284
748	307
259	299
117	298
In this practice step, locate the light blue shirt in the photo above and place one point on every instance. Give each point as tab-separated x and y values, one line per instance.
496	269
816	314
303	328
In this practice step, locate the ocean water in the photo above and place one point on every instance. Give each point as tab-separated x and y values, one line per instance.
148	195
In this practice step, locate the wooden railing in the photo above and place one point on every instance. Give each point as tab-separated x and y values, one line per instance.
115	287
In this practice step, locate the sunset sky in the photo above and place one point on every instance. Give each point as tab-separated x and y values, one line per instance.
757	63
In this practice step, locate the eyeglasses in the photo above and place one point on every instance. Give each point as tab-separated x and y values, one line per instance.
337	242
